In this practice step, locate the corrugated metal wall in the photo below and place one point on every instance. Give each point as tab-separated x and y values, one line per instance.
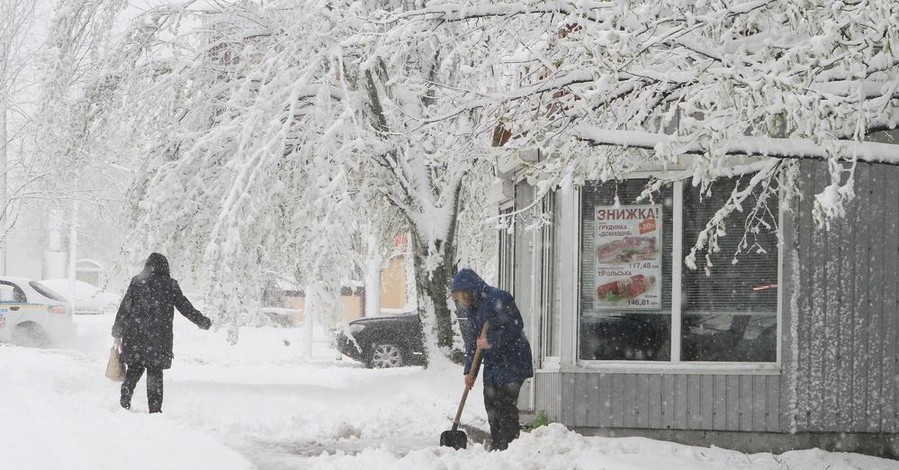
847	312
549	394
663	401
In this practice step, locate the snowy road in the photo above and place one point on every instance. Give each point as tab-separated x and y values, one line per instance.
288	426
260	405
260	398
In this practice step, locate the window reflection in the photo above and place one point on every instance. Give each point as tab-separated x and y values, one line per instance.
626	337
730	338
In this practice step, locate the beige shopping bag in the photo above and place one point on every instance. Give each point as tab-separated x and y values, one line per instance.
115	370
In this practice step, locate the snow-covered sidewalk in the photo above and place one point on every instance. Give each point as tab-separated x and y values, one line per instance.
261	405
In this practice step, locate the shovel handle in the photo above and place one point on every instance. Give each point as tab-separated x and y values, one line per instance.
473	373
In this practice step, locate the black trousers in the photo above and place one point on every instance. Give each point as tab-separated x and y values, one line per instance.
133	372
501	402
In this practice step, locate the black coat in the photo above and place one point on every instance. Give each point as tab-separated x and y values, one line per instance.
144	319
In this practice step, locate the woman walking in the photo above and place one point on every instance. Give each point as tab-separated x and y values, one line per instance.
143	328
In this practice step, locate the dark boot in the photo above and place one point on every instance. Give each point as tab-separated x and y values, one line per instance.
154	389
133	372
501	402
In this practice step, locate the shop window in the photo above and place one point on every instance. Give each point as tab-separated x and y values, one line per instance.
730	310
726	314
625	272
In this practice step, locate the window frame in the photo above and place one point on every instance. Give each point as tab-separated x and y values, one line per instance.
505	269
550	270
675	364
18	294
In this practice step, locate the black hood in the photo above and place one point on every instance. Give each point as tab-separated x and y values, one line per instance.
157	265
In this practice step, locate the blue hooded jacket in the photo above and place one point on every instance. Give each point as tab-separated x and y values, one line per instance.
508	359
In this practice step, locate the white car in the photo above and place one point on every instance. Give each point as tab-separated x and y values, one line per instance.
89	299
32	314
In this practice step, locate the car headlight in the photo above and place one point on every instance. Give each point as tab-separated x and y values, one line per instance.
357	328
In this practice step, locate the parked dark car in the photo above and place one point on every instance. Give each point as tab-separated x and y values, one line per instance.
388	341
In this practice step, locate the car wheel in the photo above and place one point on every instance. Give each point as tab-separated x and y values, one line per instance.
110	309
384	355
30	335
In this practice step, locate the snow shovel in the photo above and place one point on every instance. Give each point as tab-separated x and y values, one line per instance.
454	437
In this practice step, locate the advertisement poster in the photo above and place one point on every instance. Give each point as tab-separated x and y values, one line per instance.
628	242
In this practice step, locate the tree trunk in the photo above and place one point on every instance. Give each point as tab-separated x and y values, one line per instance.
433	289
432	280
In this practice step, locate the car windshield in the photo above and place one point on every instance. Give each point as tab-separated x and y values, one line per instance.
46	291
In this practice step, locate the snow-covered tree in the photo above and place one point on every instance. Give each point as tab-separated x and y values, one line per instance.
276	131
16	25
281	132
606	88
82	152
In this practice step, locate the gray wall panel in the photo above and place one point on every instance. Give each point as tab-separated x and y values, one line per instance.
816	271
845	314
592	401
694	402
597	400
759	402
582	401
874	348
605	404
655	400
641	391
803	369
549	394
733	402
847	328
868	357
861	218
789	383
672	401
669	392
708	401
831	296
680	402
631	401
891	302
618	402
773	403
720	407
745	403
568	382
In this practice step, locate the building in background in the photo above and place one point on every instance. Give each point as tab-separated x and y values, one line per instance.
391	284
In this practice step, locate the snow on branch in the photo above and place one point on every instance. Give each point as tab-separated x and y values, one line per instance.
871	152
456	12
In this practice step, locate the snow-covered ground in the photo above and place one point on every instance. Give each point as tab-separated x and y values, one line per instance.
261	404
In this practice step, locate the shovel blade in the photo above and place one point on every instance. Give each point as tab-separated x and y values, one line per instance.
455	439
